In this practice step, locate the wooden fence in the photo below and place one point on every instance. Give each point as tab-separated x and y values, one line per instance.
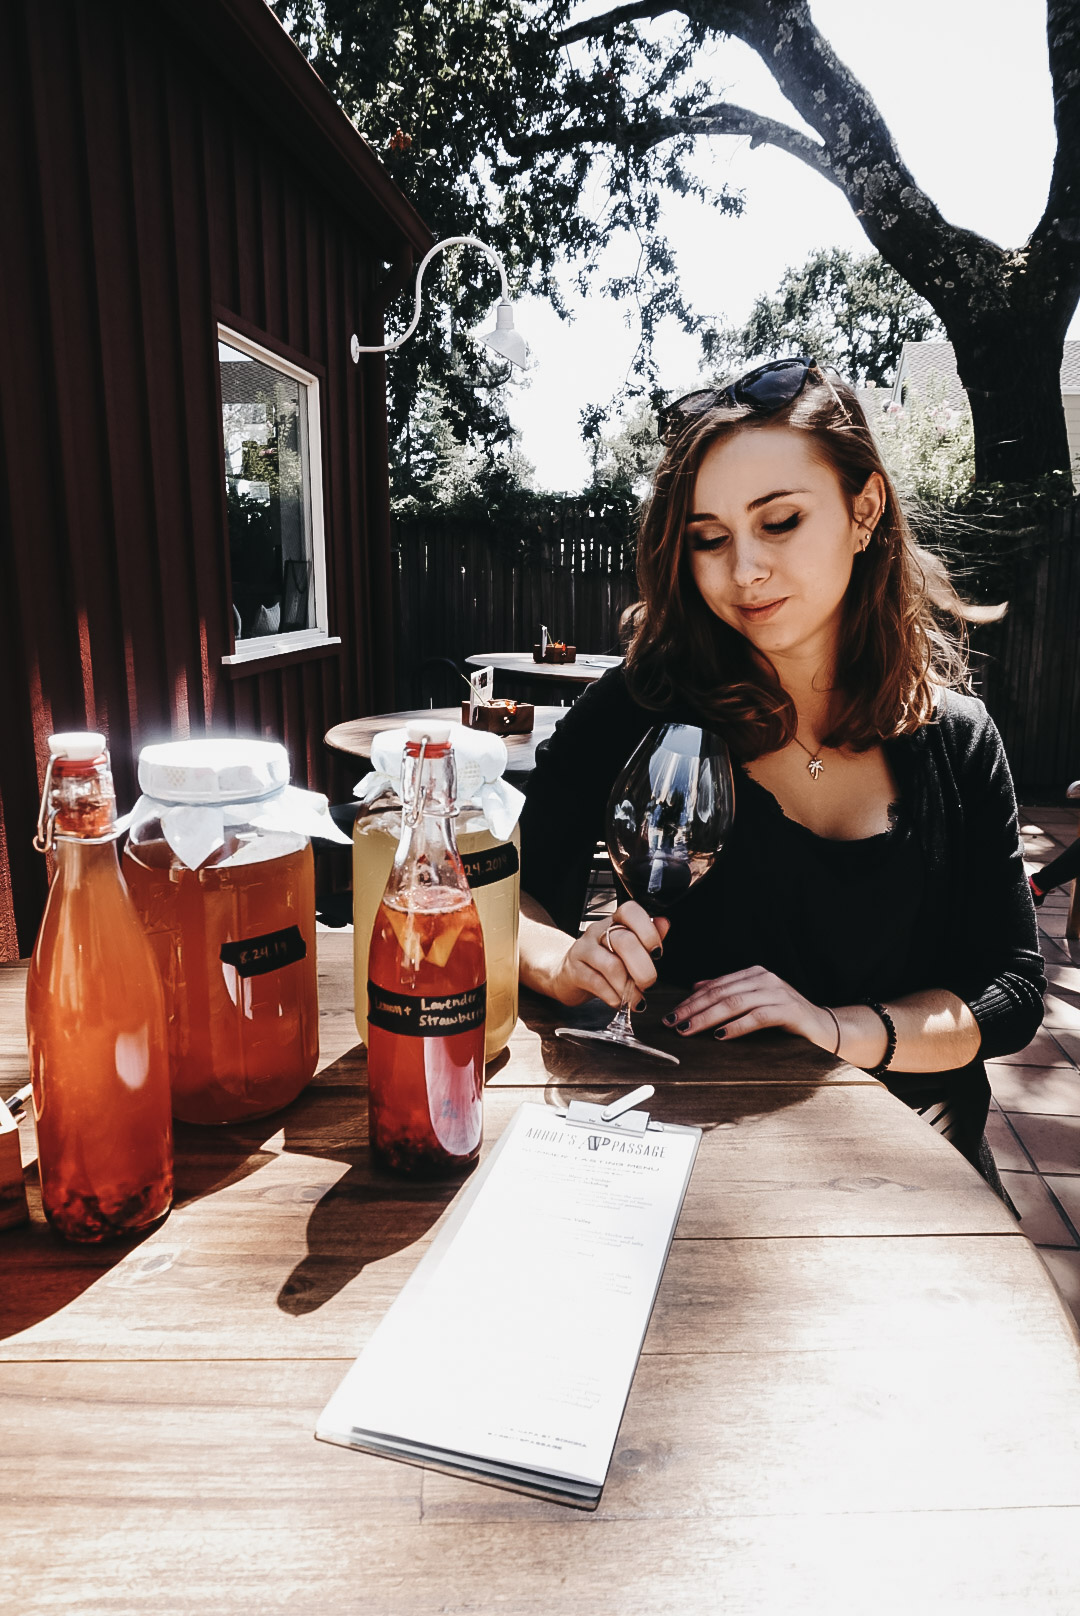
1030	678
457	592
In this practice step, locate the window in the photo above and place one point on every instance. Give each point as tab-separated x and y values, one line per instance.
273	494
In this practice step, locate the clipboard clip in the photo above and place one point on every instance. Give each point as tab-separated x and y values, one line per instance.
617	1117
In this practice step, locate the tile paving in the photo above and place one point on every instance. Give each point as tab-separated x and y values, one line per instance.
1034	1127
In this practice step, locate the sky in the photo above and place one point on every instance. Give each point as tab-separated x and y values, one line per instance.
964	87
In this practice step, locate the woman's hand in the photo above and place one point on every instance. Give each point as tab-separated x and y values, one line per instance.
746	1001
595	968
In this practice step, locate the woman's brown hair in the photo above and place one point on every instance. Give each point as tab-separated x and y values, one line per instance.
903	630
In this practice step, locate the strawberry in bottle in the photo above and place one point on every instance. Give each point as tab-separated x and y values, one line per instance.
427	985
95	1018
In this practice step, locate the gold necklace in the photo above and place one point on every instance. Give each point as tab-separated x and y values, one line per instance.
815	767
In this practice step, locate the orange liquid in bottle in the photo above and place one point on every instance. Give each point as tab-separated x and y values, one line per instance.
98	1052
239	1046
426	1091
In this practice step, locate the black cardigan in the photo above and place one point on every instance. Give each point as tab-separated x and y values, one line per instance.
975	929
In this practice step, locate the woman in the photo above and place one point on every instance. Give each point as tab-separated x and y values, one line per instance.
871	897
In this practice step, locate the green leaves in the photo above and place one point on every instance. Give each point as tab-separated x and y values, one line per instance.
851	312
549	140
490	128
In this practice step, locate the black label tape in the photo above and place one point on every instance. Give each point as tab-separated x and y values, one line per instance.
427	1015
493	864
254	956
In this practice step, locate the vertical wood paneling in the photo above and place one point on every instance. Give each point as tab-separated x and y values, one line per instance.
247	220
205	550
167	541
32	506
147	198
126	555
76	448
293	270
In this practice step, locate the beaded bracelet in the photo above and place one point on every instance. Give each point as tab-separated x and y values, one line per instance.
890	1047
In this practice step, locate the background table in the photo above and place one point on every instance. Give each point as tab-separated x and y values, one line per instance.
519	666
859	1391
357	734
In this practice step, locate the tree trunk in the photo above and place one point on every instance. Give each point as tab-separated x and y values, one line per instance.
1013	382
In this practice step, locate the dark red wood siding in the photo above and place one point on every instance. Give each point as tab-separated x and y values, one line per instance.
146	197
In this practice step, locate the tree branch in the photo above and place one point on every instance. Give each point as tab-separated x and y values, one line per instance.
941	261
607	21
1057	234
857	151
723	118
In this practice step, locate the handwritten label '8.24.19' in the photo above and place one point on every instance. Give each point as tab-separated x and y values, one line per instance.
254	956
492	864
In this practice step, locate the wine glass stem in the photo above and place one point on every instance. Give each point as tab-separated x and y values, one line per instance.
621	1023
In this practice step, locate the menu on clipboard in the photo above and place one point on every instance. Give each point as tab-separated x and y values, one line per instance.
509	1353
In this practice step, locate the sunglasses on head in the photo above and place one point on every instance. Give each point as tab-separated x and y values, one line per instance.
767	388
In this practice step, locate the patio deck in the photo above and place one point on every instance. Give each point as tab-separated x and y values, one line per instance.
1034	1127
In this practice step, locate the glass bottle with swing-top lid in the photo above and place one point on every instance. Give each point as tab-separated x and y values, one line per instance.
426	987
95	1017
488	840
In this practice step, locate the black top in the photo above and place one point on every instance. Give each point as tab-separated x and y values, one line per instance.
938	901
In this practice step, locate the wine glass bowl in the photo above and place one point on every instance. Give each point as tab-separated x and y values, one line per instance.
667	818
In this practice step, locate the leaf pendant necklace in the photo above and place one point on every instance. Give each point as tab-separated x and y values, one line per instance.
815	767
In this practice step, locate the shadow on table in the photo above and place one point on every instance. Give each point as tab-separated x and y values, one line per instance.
365	1216
206	1160
61	1270
715	1084
369	1213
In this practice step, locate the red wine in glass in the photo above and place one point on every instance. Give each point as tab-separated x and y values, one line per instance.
668	815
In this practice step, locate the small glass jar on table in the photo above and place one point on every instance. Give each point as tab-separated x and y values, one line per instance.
220	867
489	842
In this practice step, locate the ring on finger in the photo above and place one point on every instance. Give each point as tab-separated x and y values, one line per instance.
605	936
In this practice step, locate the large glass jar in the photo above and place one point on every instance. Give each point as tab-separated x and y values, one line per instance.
221	871
491	857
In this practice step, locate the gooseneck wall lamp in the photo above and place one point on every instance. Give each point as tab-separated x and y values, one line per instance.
504	340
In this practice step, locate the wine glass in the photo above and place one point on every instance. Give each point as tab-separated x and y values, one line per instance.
667	817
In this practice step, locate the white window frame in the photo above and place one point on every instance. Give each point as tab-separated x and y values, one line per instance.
302	639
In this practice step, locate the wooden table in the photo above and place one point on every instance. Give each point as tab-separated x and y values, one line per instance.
859	1392
520	665
357	734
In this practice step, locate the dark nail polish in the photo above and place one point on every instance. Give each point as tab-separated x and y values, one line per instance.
669	1019
721	1032
681	1026
640	1005
657	952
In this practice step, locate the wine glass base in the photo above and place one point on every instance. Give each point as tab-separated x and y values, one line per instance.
620	1039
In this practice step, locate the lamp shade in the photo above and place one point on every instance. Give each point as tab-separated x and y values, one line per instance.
504	339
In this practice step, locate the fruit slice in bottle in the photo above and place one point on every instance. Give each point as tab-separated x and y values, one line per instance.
426	972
